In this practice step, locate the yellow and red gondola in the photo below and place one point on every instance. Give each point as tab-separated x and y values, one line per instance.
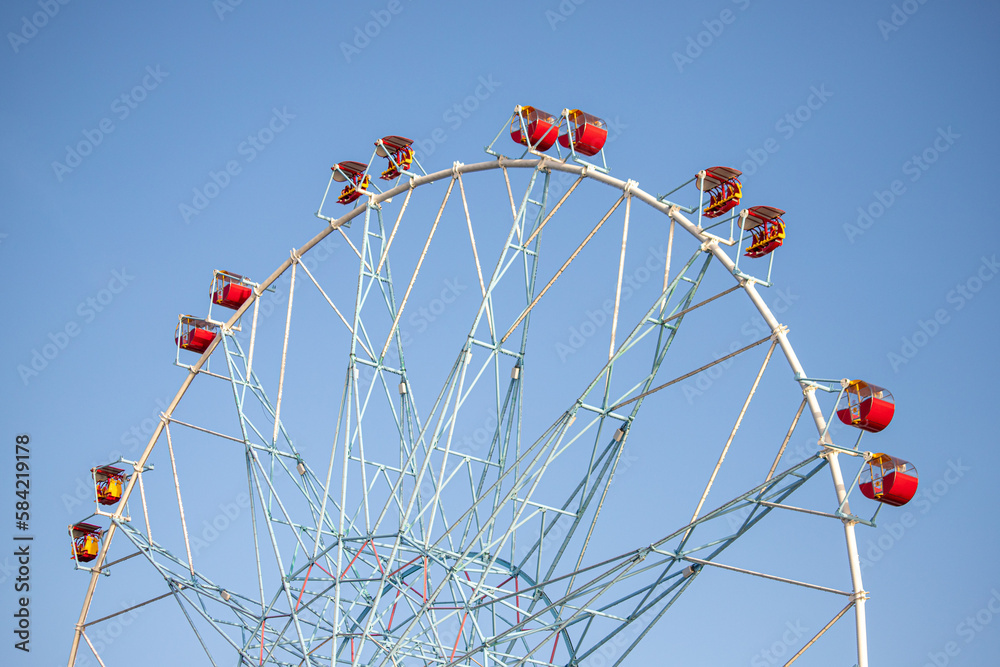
399	151
86	541
353	173
109	482
723	187
767	227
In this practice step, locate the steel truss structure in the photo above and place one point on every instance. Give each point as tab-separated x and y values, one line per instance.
405	547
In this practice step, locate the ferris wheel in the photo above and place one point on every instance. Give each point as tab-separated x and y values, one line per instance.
384	457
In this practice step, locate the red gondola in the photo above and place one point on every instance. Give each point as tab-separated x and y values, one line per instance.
889	480
86	541
767	226
229	290
399	151
869	407
724	189
110	482
353	173
587	132
194	334
533	127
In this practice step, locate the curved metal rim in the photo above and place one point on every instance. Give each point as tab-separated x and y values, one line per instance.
709	242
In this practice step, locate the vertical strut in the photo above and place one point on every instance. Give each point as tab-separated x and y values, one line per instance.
621	270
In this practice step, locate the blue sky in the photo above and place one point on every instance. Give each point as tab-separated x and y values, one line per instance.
145	146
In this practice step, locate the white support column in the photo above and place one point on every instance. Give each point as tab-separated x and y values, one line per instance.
860	595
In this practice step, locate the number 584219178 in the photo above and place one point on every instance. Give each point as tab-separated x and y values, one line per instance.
22	476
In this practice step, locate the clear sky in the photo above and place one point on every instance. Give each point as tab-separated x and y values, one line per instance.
145	146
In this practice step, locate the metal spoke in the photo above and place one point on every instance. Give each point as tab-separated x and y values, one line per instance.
420	543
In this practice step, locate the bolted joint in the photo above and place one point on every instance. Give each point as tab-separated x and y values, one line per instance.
621	432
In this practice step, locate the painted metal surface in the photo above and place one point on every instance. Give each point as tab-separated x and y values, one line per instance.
373	577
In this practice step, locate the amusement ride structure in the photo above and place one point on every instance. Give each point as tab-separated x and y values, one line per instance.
368	530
